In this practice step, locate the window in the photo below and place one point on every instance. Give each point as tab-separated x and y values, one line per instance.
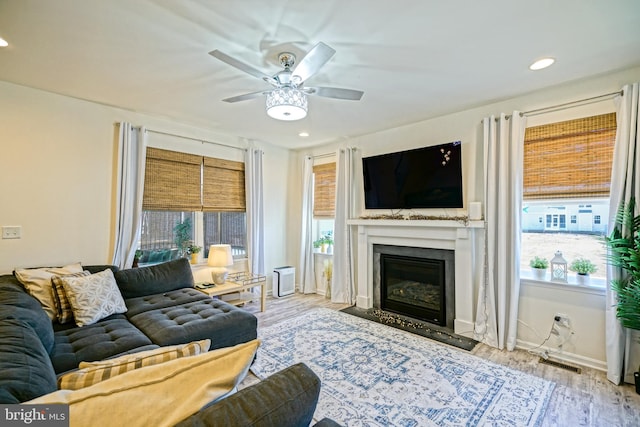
567	172
324	199
191	199
324	190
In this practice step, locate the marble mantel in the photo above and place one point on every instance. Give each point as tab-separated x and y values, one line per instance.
463	238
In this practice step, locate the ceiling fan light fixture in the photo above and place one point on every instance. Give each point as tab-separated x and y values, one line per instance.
287	103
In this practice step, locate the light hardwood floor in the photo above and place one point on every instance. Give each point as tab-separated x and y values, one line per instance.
585	399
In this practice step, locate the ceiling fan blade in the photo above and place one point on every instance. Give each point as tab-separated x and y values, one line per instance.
238	64
245	96
334	92
319	55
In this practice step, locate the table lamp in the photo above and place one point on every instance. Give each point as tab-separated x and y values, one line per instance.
219	259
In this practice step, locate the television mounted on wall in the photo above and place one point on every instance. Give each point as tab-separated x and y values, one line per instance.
422	178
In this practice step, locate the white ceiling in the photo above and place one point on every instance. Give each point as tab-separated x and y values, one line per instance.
414	59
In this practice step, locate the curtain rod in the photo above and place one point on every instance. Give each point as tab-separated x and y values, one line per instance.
193	139
566	105
320	156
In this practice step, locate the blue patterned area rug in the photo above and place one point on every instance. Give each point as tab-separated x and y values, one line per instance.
375	375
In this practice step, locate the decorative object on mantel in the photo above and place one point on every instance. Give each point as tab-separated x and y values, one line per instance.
382	216
559	268
419	217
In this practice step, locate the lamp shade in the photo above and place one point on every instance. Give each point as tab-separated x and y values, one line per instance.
220	256
287	104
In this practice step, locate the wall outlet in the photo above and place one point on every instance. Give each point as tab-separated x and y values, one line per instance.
11	232
561	319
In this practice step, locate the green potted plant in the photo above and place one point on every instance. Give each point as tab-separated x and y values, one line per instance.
193	251
316	245
624	252
136	258
582	267
183	235
539	267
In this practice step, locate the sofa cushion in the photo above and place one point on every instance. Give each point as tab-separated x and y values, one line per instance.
107	338
93	297
224	324
37	281
163	300
93	372
160	278
178	388
25	367
290	395
64	312
15	303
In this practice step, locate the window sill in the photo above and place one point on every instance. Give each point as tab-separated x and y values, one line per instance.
597	285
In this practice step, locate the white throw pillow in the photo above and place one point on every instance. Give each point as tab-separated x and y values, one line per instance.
158	395
93	297
37	281
91	373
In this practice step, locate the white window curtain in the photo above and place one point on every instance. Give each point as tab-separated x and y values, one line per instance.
499	290
306	267
342	281
129	189
255	209
623	350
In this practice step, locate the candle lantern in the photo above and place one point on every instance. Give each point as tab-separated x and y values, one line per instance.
559	268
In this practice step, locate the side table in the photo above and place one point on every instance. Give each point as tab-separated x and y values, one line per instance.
237	283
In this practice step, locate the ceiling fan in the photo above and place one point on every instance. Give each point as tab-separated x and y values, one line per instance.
287	100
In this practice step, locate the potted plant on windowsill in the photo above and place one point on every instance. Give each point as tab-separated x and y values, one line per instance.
193	251
624	253
582	267
539	267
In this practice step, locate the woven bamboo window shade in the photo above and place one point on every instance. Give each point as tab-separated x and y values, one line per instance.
324	190
171	181
223	188
569	159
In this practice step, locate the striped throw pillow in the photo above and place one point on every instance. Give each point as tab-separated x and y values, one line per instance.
94	372
64	313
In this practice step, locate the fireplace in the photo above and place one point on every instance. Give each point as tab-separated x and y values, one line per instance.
415	282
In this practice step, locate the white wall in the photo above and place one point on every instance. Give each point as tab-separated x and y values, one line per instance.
57	177
537	304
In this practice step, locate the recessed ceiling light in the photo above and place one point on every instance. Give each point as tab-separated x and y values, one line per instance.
541	63
303	134
3	42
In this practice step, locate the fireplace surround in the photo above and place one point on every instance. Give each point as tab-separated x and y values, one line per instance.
464	239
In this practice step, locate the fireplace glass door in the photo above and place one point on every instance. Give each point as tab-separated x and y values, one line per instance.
414	287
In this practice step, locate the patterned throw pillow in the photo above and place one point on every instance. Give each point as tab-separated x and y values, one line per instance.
37	281
93	297
60	300
93	372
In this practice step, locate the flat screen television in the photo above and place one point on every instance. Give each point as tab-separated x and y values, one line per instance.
429	177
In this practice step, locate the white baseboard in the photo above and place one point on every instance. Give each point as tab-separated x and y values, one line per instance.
463	327
564	356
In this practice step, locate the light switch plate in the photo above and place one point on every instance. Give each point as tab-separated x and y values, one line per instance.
11	232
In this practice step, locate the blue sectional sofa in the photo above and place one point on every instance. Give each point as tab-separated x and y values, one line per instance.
163	308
